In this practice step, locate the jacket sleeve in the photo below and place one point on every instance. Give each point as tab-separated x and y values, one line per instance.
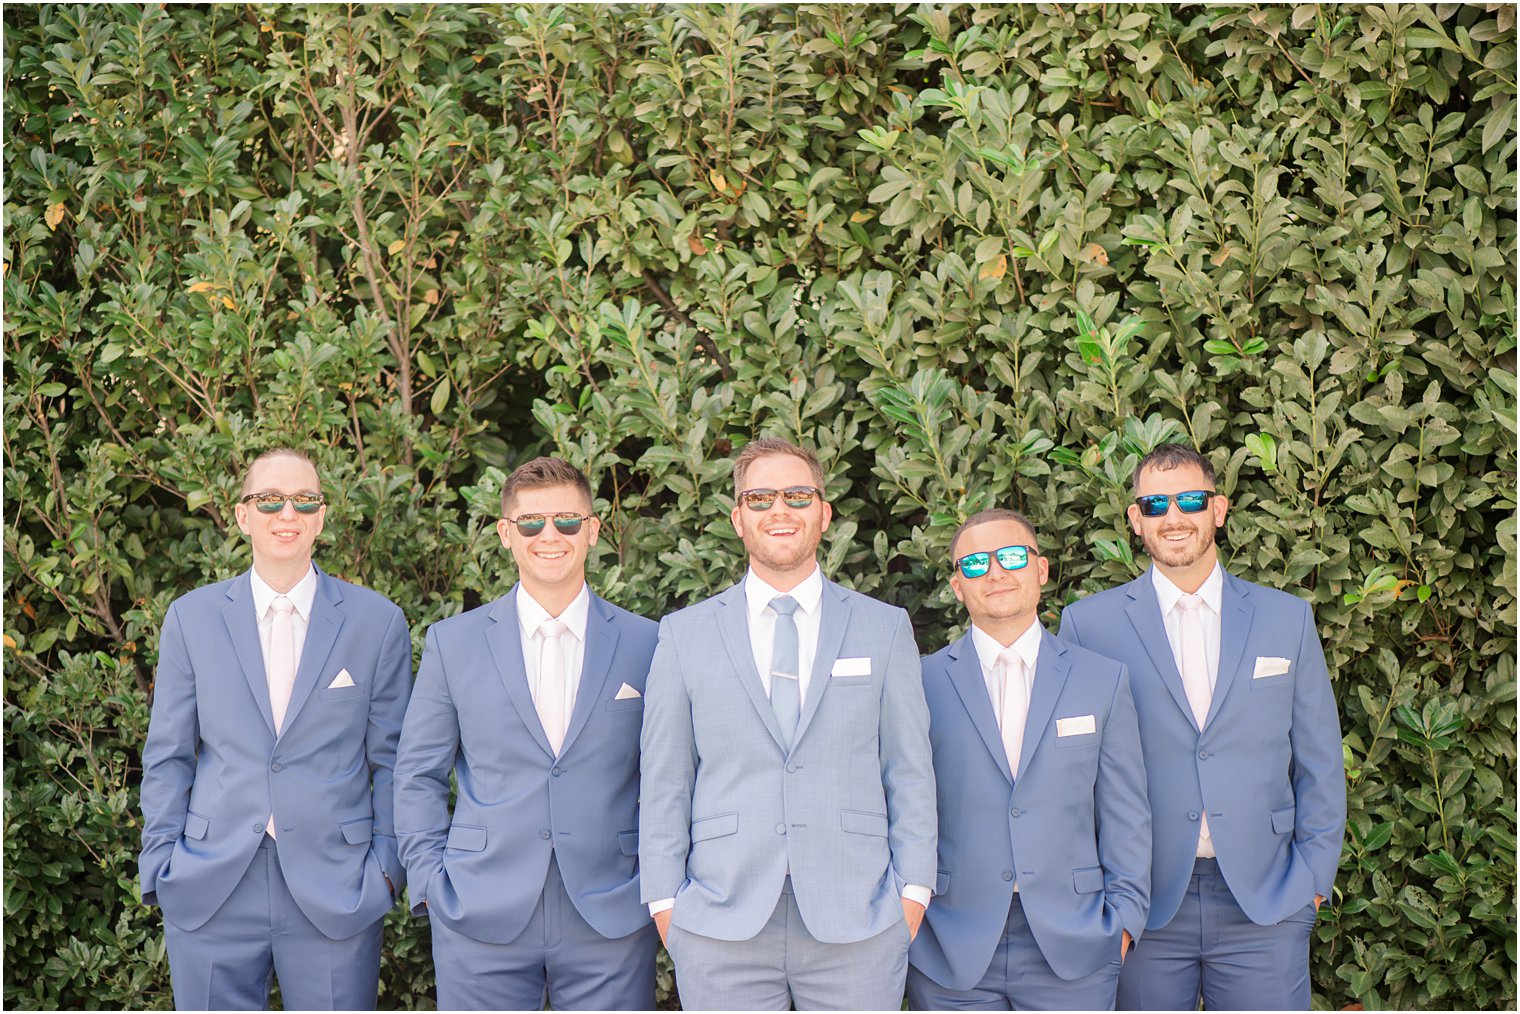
1319	766
424	762
387	709
667	773
907	762
1123	813
168	756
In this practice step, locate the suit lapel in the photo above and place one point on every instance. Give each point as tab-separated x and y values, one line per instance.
1145	613
596	663
505	640
965	671
1050	671
243	628
322	629
1234	624
733	626
833	619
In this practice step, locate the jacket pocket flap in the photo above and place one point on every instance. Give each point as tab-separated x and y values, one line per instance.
1282	820
628	842
941	884
196	826
716	826
358	832
860	822
467	838
1088	880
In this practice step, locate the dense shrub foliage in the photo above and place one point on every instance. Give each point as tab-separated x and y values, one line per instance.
974	255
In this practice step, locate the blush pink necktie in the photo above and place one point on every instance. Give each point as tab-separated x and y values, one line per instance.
1193	653
551	683
282	659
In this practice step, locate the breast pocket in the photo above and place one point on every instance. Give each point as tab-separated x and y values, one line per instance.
1282	679
357	692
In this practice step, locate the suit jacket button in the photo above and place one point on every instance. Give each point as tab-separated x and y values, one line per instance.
543	833
274	767
791	769
1007	874
1013	812
1193	815
555	771
258	829
781	829
1203	755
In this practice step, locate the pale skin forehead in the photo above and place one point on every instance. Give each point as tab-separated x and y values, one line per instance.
282	471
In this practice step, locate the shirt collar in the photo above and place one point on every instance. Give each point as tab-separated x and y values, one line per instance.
531	615
1211	591
301	596
758	594
1027	645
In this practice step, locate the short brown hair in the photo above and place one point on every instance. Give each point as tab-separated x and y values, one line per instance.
541	473
276	452
767	446
989	515
1170	456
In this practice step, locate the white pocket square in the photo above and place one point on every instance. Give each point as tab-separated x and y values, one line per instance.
343	679
851	667
1078	726
626	693
1270	665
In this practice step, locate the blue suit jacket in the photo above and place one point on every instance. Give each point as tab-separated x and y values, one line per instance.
1074	824
213	769
1267	767
481	873
727	809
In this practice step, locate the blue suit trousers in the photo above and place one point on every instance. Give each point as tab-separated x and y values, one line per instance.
260	934
1211	949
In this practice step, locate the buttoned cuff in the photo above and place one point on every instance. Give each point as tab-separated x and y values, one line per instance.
663	905
918	893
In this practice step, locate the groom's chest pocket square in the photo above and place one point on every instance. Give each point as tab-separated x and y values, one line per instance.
627	698
1271	671
341	686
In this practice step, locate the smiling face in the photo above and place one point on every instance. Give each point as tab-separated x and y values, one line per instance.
282	543
551	564
1002	602
782	542
1178	542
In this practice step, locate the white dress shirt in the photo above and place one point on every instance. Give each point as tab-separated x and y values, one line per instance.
301	597
1212	594
530	617
762	634
989	651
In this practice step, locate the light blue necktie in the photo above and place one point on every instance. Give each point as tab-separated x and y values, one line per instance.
786	682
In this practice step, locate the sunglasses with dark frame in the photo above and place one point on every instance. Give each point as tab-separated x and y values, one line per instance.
566	523
1157	504
974	565
796	497
273	503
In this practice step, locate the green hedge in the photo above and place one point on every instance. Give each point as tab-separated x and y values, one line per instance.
973	255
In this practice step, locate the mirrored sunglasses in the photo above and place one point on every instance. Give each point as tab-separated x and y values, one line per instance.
529	525
796	497
1157	504
273	503
975	565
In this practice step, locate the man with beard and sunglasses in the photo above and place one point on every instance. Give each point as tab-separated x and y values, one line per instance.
535	701
1242	755
1044	828
787	827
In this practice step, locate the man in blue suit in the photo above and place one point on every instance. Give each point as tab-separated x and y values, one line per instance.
266	789
1044	829
535	701
787	828
1242	752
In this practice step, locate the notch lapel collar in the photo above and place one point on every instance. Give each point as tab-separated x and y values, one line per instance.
965	671
733	626
1050	671
243	628
505	640
1234	624
833	619
321	633
596	663
1145	613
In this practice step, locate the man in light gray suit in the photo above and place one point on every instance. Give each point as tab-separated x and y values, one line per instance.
787	818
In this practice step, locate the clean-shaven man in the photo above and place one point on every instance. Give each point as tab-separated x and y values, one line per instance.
787	828
1242	753
1044	828
266	789
535	702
